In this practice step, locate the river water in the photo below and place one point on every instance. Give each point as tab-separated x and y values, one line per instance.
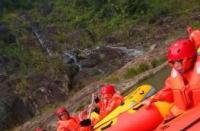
157	80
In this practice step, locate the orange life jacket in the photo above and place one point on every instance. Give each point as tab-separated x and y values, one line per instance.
108	106
71	124
88	128
186	95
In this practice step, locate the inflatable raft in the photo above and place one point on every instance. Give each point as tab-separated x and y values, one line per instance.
187	121
143	120
152	118
129	105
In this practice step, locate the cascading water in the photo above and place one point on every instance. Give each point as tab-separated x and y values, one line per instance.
70	58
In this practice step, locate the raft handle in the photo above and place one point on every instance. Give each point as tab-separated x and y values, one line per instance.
122	103
105	127
138	107
191	124
170	119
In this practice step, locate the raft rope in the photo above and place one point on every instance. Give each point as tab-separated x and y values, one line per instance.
191	124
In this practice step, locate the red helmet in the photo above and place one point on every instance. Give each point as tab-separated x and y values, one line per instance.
182	49
60	111
108	89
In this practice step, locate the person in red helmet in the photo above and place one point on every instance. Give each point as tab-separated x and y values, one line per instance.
181	90
70	123
110	99
66	122
182	87
194	36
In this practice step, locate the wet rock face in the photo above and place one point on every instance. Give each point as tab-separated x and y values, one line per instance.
84	66
100	61
44	90
70	57
84	77
16	108
99	56
12	109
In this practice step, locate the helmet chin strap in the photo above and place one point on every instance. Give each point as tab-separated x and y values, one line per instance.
180	71
188	64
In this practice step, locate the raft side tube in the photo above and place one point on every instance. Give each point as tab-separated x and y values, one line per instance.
143	120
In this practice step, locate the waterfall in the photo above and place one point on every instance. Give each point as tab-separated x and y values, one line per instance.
41	39
70	58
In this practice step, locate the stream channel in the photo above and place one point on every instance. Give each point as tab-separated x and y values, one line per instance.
157	80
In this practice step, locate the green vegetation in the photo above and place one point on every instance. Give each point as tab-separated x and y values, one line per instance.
131	72
95	19
78	24
112	79
51	107
26	62
103	17
82	24
33	59
195	24
81	106
10	5
156	62
98	18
